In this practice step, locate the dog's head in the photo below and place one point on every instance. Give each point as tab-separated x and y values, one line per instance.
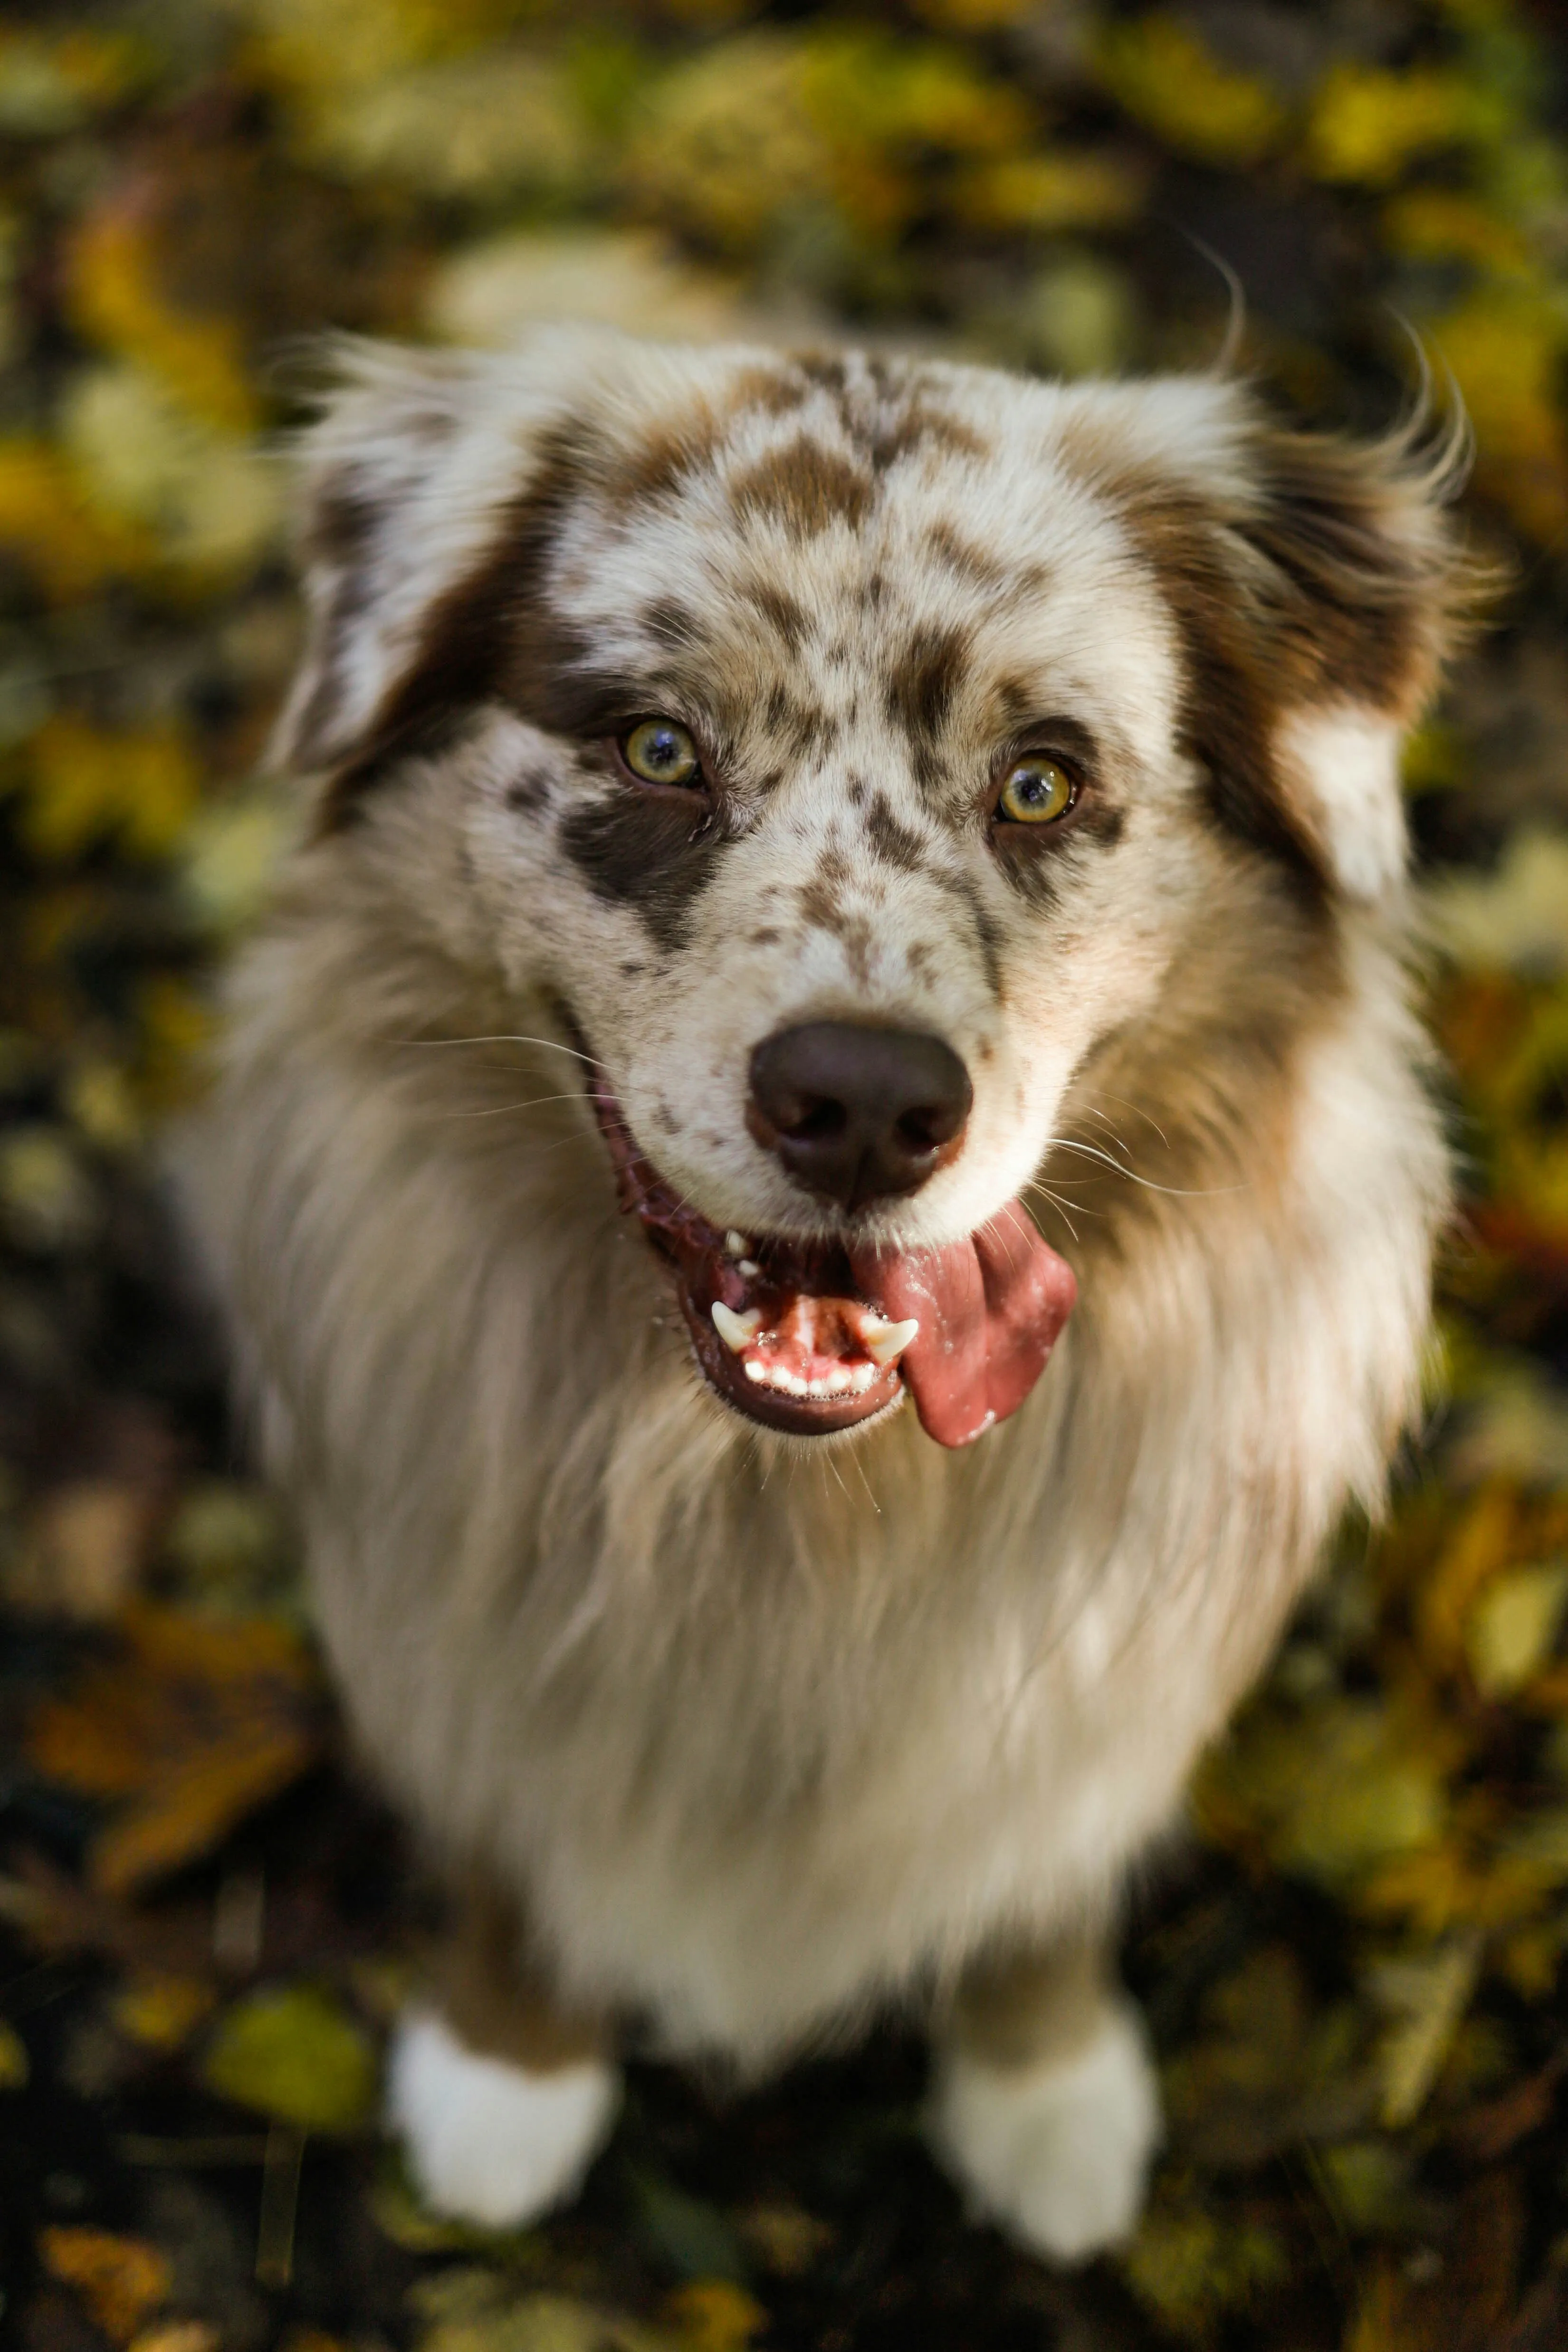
847	750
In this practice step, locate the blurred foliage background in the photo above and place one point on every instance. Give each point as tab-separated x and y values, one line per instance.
1354	1969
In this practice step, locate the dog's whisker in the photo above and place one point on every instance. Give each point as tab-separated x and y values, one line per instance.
1176	1192
1058	1204
501	1037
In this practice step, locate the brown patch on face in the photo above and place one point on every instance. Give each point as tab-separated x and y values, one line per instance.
777	392
968	562
894	843
921	690
987	930
822	909
918	428
664	459
803	729
529	793
782	612
804	487
651	850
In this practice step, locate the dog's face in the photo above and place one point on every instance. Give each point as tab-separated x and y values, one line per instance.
847	751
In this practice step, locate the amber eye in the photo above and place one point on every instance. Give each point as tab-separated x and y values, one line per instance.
660	752
1036	792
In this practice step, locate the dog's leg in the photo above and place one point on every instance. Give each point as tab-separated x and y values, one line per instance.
503	2098
1044	2104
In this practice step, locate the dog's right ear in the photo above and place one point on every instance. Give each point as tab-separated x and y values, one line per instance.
428	490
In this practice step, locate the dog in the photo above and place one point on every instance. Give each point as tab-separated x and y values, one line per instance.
826	1182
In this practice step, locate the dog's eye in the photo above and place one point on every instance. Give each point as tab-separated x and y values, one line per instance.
660	752
1035	792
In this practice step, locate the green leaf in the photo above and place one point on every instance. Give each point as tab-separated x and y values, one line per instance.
294	2053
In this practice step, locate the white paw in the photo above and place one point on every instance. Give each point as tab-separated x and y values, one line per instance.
487	2141
1056	2154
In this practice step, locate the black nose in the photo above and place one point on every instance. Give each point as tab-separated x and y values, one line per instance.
855	1114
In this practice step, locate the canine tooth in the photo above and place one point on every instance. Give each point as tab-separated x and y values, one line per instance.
734	1244
886	1342
736	1330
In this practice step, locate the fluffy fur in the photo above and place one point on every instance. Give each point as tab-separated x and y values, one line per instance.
765	1731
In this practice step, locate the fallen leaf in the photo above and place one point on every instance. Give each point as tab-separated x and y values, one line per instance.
14	2066
193	1726
296	2053
1166	75
177	2335
1427	1996
85	1548
121	2279
162	2012
714	2316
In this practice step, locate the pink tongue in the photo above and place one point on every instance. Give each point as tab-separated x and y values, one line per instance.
990	1310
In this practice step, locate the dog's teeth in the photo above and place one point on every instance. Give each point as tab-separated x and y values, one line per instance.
837	1382
861	1378
749	1267
734	1244
736	1330
755	1371
884	1342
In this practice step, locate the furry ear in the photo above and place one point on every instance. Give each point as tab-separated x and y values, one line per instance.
427	483
374	536
1318	585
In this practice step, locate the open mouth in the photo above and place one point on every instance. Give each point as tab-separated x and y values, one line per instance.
809	1337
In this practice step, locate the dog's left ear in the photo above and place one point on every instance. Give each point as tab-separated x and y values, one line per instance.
1320	587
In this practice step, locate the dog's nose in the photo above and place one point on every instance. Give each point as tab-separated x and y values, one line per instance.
857	1114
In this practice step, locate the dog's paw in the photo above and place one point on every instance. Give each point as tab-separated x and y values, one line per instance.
487	2141
1059	2154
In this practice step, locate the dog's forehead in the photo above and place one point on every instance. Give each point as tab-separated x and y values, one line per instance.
818	542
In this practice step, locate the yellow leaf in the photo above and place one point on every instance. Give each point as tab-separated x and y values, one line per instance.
49	85
119	302
85	1548
177	2335
121	2279
1485	1540
712	2316
86	784
1441	224
489	127
209	494
14	2066
161	2013
1368	125
193	1726
1506	351
1428	1997
294	2053
1165	77
46	524
1060	191
1512	1626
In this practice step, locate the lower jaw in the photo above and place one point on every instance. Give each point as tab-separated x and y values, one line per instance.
772	1408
